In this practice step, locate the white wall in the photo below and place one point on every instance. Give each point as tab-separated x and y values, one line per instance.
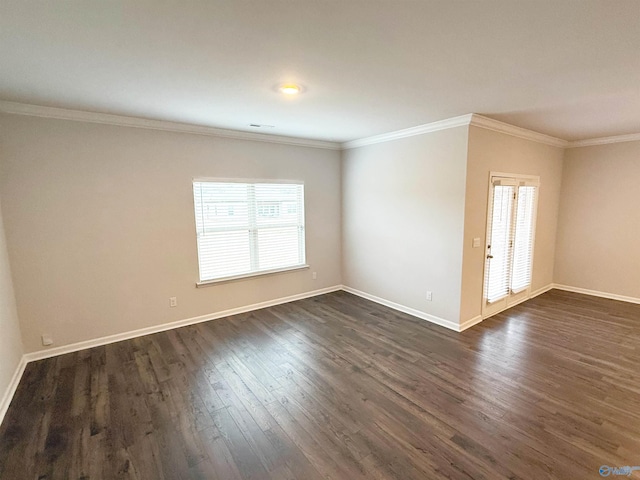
494	151
598	247
403	219
100	225
10	340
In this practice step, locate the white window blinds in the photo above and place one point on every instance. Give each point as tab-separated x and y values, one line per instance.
523	239
500	253
245	228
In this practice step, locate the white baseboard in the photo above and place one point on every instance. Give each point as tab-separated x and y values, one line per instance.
11	388
470	323
74	347
542	290
411	311
96	342
596	293
30	357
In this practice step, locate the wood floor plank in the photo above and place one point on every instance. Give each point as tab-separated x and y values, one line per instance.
338	387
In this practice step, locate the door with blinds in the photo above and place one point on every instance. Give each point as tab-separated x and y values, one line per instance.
511	223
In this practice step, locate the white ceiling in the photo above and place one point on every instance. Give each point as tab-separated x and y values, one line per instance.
570	69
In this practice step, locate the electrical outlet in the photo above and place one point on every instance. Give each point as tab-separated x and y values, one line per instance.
429	296
476	242
173	301
47	339
314	275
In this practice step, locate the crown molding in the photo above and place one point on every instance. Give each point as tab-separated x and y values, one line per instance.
589	142
469	119
137	122
498	126
460	121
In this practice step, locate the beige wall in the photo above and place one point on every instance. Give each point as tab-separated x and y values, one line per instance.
100	224
493	151
403	207
598	247
10	340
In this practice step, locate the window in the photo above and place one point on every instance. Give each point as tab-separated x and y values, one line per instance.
248	228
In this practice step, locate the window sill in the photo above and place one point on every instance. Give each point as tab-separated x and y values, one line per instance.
208	283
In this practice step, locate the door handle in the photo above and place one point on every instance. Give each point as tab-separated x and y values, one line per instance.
489	256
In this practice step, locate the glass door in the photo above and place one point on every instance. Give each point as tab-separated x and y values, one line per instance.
510	238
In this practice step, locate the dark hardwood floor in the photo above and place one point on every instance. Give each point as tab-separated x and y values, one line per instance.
339	387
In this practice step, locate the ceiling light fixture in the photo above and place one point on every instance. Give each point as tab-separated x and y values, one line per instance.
290	89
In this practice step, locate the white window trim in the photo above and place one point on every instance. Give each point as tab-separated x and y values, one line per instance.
247	180
208	283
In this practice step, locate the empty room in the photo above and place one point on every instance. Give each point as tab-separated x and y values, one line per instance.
319	239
